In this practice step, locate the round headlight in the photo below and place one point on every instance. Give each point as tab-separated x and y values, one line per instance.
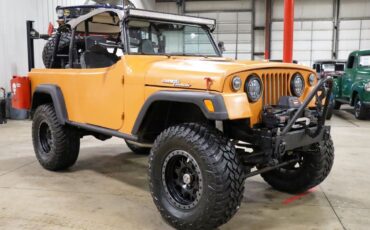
297	85
253	88
236	83
367	87
311	79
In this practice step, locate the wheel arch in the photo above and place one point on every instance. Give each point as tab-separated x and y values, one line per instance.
355	93
50	94
167	108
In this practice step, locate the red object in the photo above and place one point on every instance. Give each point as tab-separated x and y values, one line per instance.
21	92
288	30
209	82
50	29
299	196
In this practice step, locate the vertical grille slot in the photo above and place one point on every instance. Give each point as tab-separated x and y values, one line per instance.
275	85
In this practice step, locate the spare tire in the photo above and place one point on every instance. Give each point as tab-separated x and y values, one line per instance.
63	48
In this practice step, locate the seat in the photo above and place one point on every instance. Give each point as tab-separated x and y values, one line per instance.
146	47
96	56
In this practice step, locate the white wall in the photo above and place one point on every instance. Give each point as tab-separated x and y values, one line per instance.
13	42
313	26
313	30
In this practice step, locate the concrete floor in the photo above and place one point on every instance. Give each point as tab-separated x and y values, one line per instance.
107	188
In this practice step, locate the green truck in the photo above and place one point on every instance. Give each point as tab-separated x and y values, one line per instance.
353	87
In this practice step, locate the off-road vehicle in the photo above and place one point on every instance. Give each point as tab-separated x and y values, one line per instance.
329	68
353	87
159	82
333	69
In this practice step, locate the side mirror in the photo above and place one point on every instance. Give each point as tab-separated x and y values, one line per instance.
221	46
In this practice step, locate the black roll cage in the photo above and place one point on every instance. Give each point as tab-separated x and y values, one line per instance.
124	18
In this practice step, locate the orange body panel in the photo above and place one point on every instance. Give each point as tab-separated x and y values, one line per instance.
113	97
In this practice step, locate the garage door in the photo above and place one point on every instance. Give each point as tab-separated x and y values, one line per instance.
312	41
353	35
234	29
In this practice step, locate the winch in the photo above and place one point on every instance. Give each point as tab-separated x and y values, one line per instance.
275	116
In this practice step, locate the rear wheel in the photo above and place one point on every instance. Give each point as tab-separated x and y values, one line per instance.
312	168
196	177
360	110
56	146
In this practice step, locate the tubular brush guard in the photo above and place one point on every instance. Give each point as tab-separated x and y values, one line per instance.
288	140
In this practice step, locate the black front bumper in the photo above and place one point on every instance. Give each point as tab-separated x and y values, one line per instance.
299	138
277	141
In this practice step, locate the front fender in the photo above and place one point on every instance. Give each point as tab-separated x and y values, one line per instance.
196	98
229	106
359	89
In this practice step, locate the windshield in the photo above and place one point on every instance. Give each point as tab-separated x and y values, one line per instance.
328	67
339	67
364	61
162	38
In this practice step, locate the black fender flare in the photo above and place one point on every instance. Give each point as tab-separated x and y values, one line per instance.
192	97
57	99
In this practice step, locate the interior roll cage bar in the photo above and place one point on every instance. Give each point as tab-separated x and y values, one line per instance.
122	13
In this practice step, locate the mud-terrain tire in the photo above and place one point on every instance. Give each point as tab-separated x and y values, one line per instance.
47	53
337	105
216	177
315	166
56	146
138	150
329	113
361	112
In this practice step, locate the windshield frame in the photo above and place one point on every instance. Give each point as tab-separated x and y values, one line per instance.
204	27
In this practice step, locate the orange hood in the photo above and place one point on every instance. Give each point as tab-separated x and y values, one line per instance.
191	72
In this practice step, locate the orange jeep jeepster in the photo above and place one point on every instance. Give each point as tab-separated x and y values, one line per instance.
159	82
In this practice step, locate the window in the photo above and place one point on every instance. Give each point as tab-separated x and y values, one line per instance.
97	43
339	67
161	38
351	61
364	61
328	67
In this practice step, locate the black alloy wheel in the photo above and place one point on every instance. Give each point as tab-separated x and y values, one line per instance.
45	137
182	179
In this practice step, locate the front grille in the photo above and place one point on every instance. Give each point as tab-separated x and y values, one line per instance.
275	85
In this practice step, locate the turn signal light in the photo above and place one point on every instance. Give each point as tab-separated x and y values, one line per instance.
209	105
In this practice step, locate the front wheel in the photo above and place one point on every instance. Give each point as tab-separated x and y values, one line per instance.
311	169
360	110
337	105
329	113
196	177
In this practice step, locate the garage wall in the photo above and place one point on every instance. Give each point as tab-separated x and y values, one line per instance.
313	30
13	43
354	27
312	41
353	35
234	22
